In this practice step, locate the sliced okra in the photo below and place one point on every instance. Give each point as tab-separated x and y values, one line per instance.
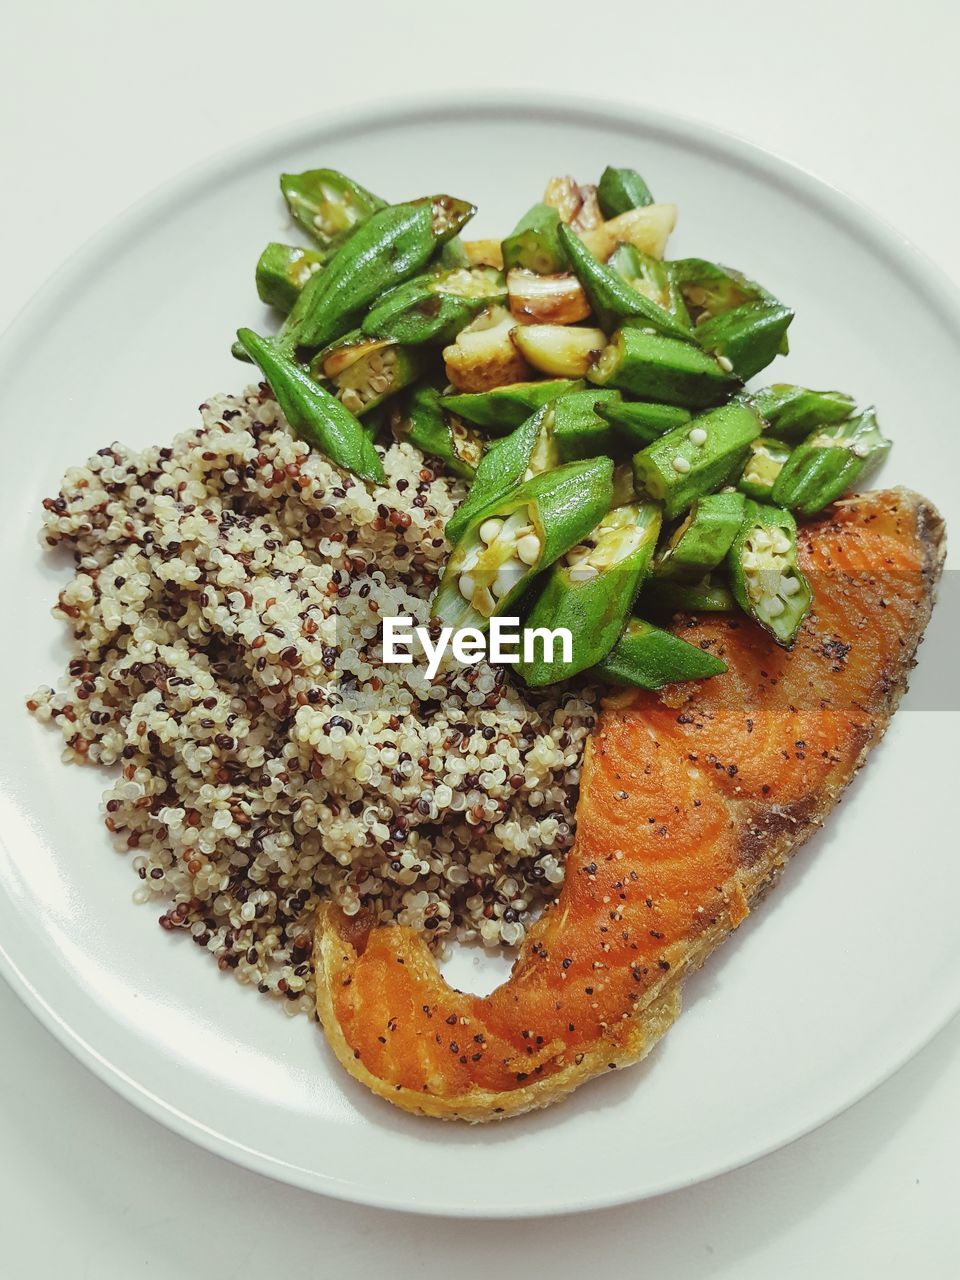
652	277
696	458
828	463
646	657
764	463
710	595
560	350
710	290
282	272
454	254
613	300
314	414
590	590
505	547
534	243
746	339
579	431
638	422
621	189
703	539
434	307
542	299
528	451
389	247
327	204
420	419
793	412
503	409
765	575
667	370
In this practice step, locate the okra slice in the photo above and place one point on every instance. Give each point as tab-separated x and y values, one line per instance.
710	595
282	272
534	243
314	414
621	189
702	541
613	300
505	547
560	350
530	450
746	339
652	367
420	419
327	204
638	423
828	463
696	458
591	590
579	431
793	412
388	248
652	277
648	658
764	463
539	299
765	577
503	409
434	307
710	290
381	372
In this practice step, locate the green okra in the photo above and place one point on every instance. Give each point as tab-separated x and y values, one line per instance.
382	370
509	544
530	449
667	370
420	419
696	458
703	539
315	415
503	409
710	595
434	307
388	248
453	254
653	277
710	290
829	462
746	339
615	302
621	189
578	430
282	272
591	589
327	204
793	412
647	657
534	242
764	463
638	422
765	574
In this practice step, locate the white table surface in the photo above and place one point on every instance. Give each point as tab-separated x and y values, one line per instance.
102	101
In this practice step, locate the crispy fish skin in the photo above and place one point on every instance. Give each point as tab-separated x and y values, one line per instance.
691	802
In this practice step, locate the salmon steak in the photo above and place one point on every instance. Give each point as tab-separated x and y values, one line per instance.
691	801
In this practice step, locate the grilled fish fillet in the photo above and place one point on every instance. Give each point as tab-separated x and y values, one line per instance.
691	802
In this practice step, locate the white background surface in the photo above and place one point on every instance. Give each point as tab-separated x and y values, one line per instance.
101	102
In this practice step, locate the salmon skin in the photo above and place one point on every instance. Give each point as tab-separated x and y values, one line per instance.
691	802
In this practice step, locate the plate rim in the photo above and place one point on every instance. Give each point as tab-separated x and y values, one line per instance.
924	276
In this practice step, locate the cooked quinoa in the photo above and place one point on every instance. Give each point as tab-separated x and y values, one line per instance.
225	611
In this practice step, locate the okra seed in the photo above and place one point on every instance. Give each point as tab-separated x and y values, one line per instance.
789	586
681	464
467	586
861	449
697	436
583	573
490	529
725	364
528	548
773	606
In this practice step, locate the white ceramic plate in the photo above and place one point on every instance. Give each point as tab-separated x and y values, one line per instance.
845	973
